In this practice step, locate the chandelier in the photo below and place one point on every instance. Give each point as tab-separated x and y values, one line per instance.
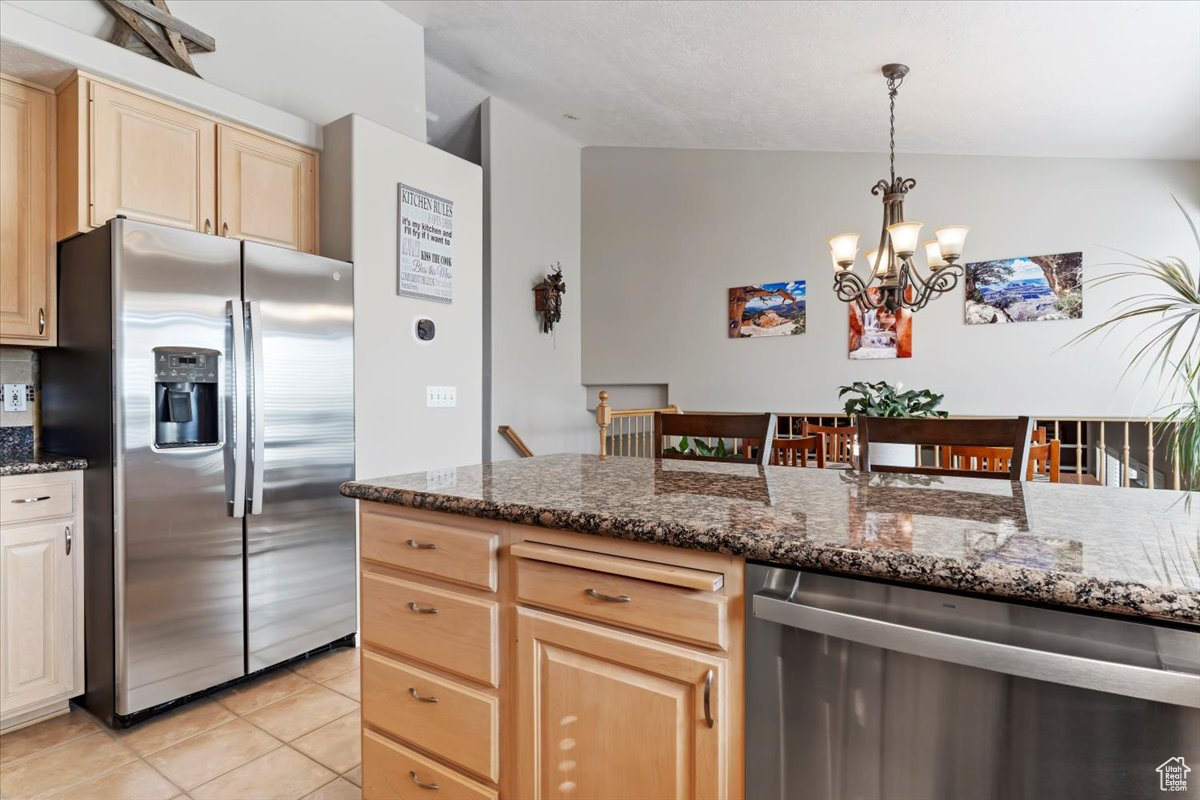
893	280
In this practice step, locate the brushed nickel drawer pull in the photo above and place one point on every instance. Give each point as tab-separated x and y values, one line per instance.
422	609
424	698
67	534
31	499
415	545
412	776
608	598
708	717
224	228
207	225
41	321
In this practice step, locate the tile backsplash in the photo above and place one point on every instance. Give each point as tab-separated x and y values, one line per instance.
20	365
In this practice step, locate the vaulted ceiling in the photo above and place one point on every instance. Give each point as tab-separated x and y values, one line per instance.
1099	79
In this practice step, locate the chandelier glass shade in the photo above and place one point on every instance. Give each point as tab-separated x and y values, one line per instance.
892	279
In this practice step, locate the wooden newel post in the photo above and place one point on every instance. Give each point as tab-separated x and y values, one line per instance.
603	420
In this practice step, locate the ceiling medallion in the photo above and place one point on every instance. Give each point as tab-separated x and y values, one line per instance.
893	280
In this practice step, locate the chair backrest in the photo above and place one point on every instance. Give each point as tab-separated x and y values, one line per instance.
1044	459
839	441
791	452
1011	433
735	428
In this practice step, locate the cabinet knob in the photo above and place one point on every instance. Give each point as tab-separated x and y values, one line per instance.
412	776
421	609
423	698
608	598
41	320
708	681
224	228
415	545
207	225
67	537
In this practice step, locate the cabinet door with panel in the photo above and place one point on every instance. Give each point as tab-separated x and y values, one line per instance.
26	215
602	713
266	190
150	161
38	588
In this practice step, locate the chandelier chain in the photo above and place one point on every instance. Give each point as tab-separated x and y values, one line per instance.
893	89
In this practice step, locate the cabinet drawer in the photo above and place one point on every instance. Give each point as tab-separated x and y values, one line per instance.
437	715
21	501
454	554
447	630
392	771
690	615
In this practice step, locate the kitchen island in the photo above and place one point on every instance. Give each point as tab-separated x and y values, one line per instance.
641	618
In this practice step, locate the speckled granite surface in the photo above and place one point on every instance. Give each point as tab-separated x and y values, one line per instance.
1120	551
25	460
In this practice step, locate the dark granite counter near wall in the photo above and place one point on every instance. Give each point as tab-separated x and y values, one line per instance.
25	460
1133	552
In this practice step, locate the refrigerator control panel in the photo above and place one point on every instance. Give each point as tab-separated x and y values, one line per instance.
179	365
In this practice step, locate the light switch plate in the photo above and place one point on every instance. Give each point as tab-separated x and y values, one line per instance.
441	396
14	396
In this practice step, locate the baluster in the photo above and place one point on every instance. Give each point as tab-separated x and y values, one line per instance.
1175	456
1078	450
1125	458
603	419
1150	453
1102	459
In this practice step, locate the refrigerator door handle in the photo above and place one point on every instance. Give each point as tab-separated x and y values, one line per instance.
257	409
237	423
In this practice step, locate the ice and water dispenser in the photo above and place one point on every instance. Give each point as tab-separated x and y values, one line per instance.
185	397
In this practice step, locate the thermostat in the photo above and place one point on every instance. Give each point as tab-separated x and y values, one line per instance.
423	330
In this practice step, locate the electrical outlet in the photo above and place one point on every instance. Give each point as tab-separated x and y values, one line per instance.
441	396
14	396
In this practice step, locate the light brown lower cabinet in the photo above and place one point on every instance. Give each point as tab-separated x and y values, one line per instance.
585	669
608	714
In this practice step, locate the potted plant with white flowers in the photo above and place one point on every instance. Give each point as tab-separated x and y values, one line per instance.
881	399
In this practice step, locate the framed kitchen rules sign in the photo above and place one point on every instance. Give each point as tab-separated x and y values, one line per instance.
426	243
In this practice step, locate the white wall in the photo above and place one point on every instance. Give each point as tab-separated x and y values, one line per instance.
394	431
318	59
532	197
667	232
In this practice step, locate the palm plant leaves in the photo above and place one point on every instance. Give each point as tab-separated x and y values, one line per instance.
1174	331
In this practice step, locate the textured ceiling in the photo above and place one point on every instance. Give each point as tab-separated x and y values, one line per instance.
1099	79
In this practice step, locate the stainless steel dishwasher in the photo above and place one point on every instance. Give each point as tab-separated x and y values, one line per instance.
864	690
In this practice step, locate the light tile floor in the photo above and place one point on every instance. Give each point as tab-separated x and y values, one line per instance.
287	735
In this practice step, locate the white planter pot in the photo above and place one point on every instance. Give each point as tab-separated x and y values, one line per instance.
893	455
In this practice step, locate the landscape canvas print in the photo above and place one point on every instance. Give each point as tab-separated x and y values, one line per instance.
768	309
878	333
1024	289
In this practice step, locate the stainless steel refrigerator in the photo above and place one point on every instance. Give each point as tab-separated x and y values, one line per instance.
209	382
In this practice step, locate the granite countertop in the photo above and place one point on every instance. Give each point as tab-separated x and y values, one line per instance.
1120	551
28	461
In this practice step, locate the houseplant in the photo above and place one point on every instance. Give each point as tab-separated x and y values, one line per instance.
881	399
1170	342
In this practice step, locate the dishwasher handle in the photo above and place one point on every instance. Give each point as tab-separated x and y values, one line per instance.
1161	686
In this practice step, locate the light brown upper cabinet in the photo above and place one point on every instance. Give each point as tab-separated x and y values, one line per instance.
26	215
150	161
123	151
266	190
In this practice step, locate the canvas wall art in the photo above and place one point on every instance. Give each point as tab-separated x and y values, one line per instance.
878	333
1024	289
769	309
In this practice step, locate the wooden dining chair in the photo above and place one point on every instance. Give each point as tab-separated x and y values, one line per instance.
839	443
735	428
1014	434
791	452
1044	459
